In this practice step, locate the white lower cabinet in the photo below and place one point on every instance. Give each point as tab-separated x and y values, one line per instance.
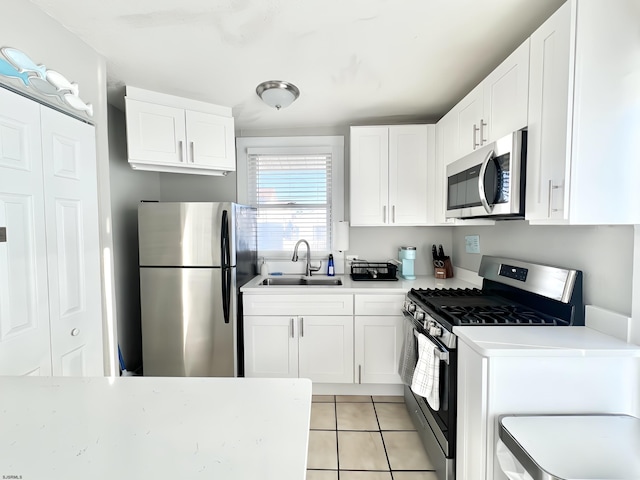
270	347
378	338
308	336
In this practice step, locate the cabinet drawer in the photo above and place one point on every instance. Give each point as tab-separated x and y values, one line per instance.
298	304
390	304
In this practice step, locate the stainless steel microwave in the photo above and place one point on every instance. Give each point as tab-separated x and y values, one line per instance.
490	181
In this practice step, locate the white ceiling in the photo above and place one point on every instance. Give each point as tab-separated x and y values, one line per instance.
354	61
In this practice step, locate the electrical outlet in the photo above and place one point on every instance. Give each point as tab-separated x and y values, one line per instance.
351	258
472	243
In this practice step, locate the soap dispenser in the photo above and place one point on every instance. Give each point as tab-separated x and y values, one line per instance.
331	271
264	271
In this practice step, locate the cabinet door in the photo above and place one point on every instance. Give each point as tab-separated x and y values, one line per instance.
549	82
73	246
446	138
469	114
326	349
24	306
378	341
369	170
270	347
408	175
155	133
471	432
506	94
210	141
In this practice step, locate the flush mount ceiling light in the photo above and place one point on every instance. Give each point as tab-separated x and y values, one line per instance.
277	94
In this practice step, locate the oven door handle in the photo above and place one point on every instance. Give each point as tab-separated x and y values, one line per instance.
481	190
442	356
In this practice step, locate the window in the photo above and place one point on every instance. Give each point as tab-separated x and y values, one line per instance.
294	190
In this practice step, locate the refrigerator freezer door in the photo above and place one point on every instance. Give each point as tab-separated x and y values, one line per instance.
186	234
183	327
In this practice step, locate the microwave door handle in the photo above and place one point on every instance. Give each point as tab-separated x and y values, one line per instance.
483	193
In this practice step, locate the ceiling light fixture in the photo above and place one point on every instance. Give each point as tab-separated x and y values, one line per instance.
277	94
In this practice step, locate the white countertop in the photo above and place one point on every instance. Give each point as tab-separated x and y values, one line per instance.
350	286
526	341
153	428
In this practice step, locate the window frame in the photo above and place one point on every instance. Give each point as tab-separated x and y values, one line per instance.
304	145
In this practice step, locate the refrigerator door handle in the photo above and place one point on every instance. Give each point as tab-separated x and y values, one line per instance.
225	266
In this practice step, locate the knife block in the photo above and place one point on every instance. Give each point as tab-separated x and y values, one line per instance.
446	271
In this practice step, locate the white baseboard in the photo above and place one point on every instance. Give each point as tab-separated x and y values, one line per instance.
356	389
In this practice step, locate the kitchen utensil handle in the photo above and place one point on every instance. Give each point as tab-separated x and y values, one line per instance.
475	136
193	152
483	194
482	125
302	326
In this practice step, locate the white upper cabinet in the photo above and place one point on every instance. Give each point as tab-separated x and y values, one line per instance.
172	134
496	107
584	116
390	170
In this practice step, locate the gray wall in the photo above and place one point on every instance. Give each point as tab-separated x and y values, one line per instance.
27	28
176	187
603	253
382	243
128	188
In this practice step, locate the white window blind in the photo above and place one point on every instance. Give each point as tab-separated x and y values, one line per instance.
292	193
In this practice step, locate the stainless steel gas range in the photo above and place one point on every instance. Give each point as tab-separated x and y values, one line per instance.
513	293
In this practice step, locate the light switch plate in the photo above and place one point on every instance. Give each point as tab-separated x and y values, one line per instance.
472	243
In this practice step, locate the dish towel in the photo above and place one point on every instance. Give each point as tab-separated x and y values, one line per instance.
408	353
426	378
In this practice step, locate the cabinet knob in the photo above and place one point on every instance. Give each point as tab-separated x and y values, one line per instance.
75	332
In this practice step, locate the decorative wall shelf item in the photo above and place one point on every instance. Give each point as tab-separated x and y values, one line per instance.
17	65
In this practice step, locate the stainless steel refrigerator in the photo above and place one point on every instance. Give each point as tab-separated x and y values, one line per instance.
193	259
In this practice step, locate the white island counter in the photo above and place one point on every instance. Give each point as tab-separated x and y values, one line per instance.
153	428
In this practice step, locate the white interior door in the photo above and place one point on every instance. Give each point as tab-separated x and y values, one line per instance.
24	320
73	250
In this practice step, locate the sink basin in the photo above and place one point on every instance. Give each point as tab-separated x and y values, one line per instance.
301	281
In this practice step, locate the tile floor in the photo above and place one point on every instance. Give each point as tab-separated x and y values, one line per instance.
364	438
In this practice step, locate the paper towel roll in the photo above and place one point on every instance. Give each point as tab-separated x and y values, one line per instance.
341	236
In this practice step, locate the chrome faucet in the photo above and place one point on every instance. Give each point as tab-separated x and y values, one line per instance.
309	269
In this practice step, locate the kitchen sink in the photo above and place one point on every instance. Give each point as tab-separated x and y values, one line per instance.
301	281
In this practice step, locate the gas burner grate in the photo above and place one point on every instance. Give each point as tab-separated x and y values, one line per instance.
499	315
426	293
471	306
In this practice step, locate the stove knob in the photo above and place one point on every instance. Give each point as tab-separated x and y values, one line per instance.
411	307
418	315
435	331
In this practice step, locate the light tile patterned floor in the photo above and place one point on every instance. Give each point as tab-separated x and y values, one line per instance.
364	438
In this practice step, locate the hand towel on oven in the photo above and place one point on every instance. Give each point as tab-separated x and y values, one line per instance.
426	378
408	354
